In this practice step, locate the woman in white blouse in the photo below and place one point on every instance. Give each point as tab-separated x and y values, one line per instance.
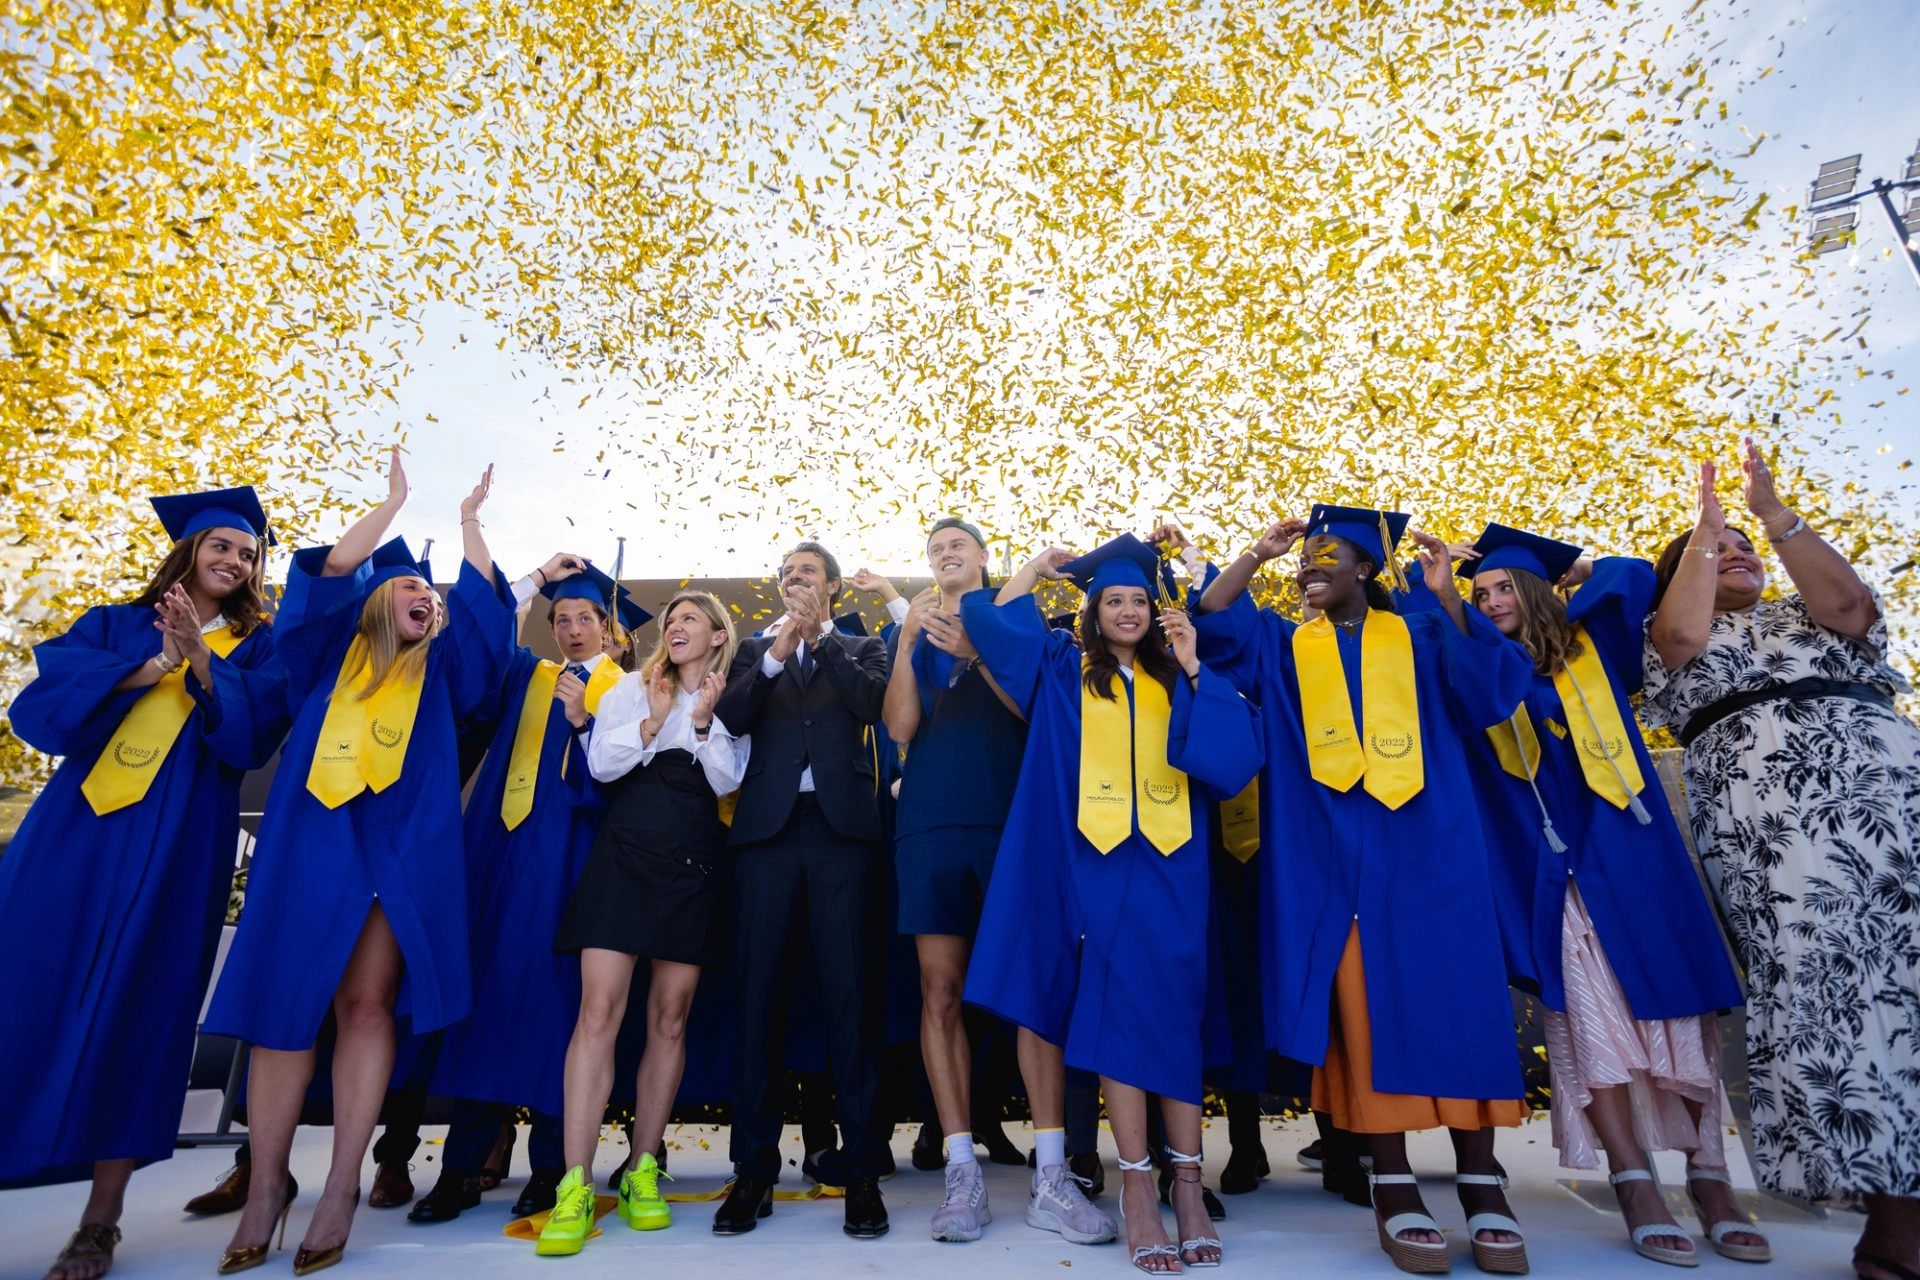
652	888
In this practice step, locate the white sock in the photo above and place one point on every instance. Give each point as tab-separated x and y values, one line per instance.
960	1148
1049	1148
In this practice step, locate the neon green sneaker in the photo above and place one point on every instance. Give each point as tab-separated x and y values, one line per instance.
640	1201
572	1216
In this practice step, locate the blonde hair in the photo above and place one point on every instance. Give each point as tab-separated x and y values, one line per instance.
381	647
718	660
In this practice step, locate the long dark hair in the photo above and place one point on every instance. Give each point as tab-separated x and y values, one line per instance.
1101	668
1378	597
1669	562
244	607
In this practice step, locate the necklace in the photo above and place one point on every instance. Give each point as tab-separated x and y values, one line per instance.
1349	626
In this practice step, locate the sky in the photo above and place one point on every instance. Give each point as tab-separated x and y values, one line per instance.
1835	87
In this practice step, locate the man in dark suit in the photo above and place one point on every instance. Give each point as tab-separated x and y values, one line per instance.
806	839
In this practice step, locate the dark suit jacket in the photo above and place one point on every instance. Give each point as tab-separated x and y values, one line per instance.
822	722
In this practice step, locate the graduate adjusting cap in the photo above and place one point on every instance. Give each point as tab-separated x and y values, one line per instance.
1124	562
588	584
1376	533
185	514
1503	548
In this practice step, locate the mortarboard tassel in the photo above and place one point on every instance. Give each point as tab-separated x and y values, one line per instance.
1396	578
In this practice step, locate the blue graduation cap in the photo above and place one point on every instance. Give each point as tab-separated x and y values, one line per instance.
588	584
394	559
1501	547
185	514
1375	533
632	616
1124	562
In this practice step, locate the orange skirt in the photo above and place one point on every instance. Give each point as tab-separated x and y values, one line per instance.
1344	1086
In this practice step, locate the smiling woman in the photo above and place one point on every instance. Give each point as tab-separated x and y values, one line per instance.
1803	786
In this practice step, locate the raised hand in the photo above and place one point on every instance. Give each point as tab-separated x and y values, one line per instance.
1171	534
571	693
561	564
471	504
1178	629
1048	563
708	698
868	580
1711	520
181	623
917	609
1761	498
660	695
396	479
947	633
1436	565
1278	539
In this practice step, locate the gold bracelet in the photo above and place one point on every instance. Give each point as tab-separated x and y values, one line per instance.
166	668
1784	512
1711	553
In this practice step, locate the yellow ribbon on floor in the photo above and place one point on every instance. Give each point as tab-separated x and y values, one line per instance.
1119	747
1240	823
523	765
1391	759
363	742
130	762
1594	722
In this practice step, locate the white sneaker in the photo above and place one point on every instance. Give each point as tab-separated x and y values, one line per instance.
964	1213
1057	1202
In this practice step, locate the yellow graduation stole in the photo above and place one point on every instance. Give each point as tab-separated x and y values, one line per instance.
1594	722
1114	755
1391	759
1240	822
523	765
363	743
129	763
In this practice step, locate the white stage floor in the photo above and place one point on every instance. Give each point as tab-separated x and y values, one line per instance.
1288	1228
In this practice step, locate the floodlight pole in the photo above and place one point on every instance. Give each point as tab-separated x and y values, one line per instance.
1901	231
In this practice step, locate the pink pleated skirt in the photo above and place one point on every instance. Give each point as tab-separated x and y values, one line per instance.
1597	1043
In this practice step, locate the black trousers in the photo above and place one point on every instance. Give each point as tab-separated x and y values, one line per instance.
809	875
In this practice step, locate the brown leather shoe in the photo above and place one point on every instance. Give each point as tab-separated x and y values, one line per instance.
228	1194
392	1186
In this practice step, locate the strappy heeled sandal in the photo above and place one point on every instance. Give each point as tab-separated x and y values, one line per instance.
1495	1257
1145	1251
1181	1160
1648	1230
1414	1256
1717	1232
92	1242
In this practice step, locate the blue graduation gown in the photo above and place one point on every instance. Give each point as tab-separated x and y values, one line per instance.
1414	879
318	871
1104	954
1638	882
109	924
512	1047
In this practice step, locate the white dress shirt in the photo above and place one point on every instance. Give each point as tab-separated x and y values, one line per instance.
771	666
616	747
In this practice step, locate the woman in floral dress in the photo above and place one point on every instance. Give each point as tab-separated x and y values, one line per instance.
1803	785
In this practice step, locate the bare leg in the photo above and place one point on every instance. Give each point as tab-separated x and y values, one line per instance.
362	1065
1139	1197
1390	1156
1189	1209
943	1035
1715	1197
105	1201
1473	1153
1611	1114
1043	1067
277	1082
1892	1233
669	998
605	979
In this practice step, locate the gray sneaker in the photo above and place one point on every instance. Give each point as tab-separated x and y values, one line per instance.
964	1214
1058	1203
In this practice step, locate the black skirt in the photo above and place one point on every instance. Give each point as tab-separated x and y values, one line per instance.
655	884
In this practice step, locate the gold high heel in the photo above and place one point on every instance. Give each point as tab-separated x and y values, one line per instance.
249	1256
307	1261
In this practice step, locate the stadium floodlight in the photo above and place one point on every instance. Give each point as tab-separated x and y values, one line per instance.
1833	212
1832	232
1835	179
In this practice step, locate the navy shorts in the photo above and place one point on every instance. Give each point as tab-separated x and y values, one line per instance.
943	876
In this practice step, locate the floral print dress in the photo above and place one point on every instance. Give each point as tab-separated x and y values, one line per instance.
1806	813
